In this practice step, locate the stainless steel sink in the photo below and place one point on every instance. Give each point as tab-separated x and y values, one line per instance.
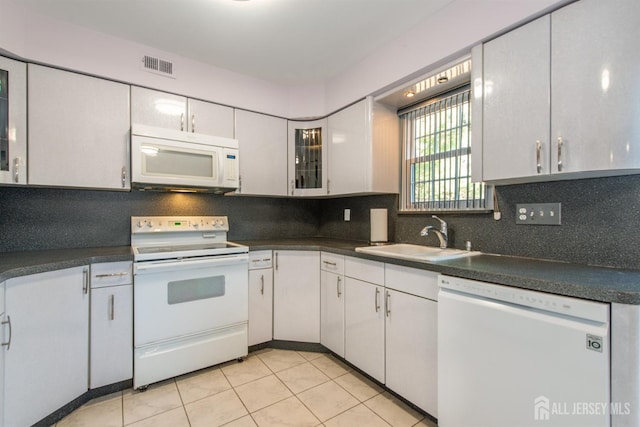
416	252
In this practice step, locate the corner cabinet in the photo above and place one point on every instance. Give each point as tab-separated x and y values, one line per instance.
78	130
307	158
46	361
13	122
263	142
364	149
296	296
160	109
560	94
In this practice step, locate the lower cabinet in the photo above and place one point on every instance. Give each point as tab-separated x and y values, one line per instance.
111	349
3	337
332	302
46	363
364	316
296	296
260	297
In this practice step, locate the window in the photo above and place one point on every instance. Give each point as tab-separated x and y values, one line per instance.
436	170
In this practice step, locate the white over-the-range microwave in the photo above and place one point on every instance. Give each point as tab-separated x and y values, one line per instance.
166	159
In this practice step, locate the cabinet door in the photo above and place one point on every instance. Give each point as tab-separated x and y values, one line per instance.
263	145
260	306
3	338
78	130
364	326
411	349
154	108
594	72
296	300
349	147
210	119
111	335
46	366
332	311
516	103
13	121
307	158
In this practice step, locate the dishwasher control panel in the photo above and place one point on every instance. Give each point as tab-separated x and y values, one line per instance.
575	307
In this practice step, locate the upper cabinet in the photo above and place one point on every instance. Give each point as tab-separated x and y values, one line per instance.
263	142
13	121
559	96
78	130
308	158
364	149
161	109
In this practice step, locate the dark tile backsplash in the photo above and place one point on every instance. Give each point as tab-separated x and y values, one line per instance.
600	219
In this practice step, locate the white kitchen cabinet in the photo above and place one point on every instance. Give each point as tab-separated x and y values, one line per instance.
516	103
411	317
307	158
260	297
364	316
79	130
296	296
156	108
46	365
332	302
263	145
559	96
13	121
111	344
364	149
3	337
595	87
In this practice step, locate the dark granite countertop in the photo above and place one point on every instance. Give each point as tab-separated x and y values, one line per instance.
581	281
15	264
593	283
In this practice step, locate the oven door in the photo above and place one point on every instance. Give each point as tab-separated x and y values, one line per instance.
179	298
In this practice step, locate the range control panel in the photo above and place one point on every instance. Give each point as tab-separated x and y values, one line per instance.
168	224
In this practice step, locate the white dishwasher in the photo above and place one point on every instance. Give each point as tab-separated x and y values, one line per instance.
511	357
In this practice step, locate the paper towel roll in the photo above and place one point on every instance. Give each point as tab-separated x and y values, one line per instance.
378	225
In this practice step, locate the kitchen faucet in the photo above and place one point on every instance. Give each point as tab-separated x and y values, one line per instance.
442	233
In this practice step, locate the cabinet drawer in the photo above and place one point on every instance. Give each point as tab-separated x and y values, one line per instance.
111	274
364	269
412	281
332	262
260	259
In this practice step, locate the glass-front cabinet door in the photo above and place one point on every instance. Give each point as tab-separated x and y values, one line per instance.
308	158
13	121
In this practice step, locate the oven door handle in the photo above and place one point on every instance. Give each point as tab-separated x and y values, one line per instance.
184	264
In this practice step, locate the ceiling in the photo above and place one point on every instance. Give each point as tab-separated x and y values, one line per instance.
293	42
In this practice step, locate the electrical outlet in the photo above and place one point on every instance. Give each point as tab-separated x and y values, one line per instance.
347	214
538	213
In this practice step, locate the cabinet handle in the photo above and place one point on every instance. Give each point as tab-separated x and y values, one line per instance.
16	170
262	284
560	143
338	286
124	176
182	121
377	300
193	123
292	187
330	263
122	273
387	303
85	281
8	343
539	156
239	184
276	255
328	186
112	307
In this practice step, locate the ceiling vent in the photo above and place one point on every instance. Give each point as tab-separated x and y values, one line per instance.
158	66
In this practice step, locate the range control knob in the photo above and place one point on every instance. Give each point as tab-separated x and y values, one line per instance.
150	224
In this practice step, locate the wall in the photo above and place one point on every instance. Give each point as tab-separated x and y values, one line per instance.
600	222
37	218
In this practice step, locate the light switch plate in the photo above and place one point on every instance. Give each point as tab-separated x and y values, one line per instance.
538	213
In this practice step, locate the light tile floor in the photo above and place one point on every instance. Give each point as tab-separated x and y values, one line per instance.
271	388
